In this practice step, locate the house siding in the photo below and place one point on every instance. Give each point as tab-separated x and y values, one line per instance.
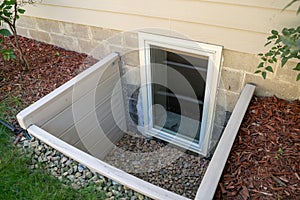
240	26
98	27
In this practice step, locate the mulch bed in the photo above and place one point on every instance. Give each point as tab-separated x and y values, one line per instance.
264	161
50	67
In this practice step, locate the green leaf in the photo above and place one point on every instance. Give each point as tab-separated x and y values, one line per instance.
264	75
268	43
271	37
257	71
269	68
289	4
297	68
260	54
298	77
269	54
4	32
278	40
11	2
6	13
270	61
285	52
280	151
260	65
21	11
285	32
274	32
283	61
7	7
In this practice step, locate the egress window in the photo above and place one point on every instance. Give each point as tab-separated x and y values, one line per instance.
179	84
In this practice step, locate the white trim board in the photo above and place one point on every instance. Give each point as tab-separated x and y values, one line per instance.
215	168
27	116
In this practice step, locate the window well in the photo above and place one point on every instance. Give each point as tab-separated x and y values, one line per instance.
179	83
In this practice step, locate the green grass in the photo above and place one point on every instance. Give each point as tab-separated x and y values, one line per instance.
18	181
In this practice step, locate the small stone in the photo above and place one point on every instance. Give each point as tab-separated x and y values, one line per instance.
140	197
71	178
120	188
152	142
81	168
48	153
115	192
89	175
75	168
99	182
63	160
26	144
70	171
75	186
109	194
34	144
69	162
33	161
40	147
65	173
101	177
78	174
114	183
37	152
99	188
133	198
55	158
95	178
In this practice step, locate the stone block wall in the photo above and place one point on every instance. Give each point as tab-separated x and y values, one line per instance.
237	69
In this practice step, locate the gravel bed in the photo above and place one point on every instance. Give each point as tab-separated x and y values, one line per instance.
70	172
159	163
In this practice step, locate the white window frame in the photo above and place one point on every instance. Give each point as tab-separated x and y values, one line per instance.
214	54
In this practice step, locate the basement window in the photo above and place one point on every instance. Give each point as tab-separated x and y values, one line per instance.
179	84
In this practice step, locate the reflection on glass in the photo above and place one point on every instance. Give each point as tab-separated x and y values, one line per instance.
176	108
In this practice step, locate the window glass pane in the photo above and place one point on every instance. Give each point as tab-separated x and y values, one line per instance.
176	108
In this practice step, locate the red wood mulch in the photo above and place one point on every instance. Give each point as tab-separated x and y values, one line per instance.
264	162
50	67
265	159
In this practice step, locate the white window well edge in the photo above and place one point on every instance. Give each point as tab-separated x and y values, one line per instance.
208	184
103	168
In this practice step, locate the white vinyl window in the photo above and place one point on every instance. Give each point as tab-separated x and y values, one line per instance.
179	84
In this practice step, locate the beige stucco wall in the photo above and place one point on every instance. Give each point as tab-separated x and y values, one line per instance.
241	27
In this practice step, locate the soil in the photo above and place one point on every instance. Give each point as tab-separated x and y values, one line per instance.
264	162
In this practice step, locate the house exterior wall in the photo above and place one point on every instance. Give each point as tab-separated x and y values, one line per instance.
241	27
